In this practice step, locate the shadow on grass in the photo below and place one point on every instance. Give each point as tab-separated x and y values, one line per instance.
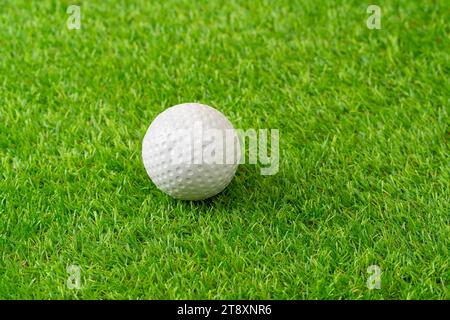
247	191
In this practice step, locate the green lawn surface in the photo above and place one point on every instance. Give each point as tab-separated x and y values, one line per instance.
364	156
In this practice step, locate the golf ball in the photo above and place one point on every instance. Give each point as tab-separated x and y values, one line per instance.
191	151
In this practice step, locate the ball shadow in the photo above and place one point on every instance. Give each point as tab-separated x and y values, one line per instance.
247	191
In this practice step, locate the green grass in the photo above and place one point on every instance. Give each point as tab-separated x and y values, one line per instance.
364	164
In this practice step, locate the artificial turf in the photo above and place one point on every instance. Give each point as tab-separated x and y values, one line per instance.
364	157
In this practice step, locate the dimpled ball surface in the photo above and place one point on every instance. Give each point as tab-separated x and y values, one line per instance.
173	143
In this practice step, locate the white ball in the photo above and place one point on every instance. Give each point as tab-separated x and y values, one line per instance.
191	151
